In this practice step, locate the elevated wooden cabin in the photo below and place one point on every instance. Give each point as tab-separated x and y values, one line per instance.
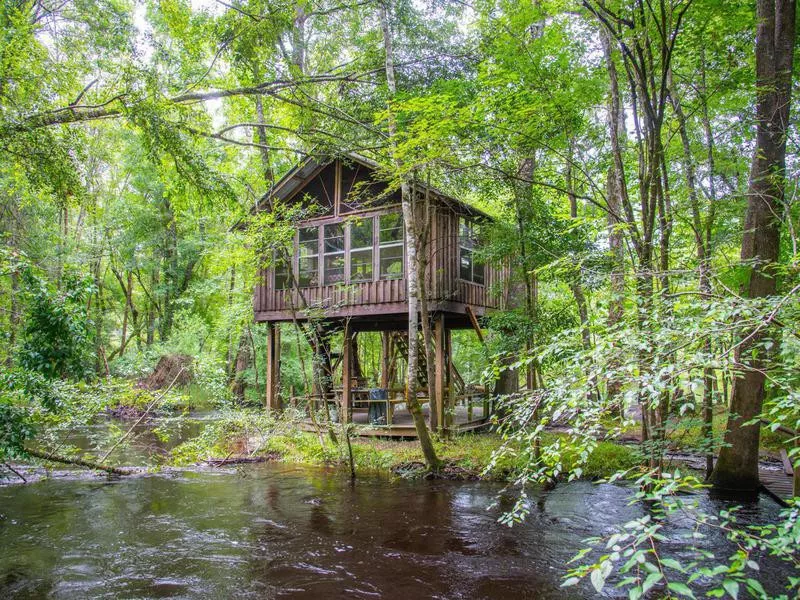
349	265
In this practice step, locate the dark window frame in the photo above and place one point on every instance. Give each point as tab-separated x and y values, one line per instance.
391	245
331	250
469	269
315	256
317	277
352	250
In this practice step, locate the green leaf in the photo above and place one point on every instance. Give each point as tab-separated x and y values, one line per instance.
571	581
756	588
732	587
651	580
680	588
672	564
600	574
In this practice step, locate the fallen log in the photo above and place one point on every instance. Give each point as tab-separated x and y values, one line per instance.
78	462
238	460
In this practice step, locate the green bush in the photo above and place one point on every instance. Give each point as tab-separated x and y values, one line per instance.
57	339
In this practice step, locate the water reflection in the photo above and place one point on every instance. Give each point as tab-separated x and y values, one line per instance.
287	531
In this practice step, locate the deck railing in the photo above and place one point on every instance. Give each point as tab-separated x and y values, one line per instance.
360	398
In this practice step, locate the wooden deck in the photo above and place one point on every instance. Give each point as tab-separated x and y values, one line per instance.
778	483
403	426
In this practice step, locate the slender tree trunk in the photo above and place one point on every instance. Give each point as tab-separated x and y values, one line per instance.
229	362
737	467
425	317
616	198
171	269
261	136
709	376
412	245
13	318
576	285
703	251
151	309
98	320
239	386
128	308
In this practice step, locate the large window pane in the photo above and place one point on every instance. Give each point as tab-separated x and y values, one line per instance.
391	259
469	269
464	233
334	268
334	238
308	263
465	269
361	234
391	228
309	241
361	265
361	245
308	273
390	250
334	253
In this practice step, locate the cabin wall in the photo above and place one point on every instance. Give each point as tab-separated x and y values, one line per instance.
446	291
444	283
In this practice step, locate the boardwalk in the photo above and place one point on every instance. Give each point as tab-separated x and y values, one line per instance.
403	425
778	482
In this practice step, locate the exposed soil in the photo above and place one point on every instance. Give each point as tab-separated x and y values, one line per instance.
171	368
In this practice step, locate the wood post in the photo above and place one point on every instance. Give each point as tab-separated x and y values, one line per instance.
386	347
450	370
796	472
273	366
347	373
440	366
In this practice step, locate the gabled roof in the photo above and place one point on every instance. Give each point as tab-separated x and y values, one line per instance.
298	175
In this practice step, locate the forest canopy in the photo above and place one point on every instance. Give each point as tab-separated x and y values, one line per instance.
639	159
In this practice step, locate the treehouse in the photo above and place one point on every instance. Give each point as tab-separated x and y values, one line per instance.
347	273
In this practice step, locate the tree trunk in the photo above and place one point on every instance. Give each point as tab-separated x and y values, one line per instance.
13	318
576	285
229	362
737	467
128	308
425	317
616	197
170	268
412	245
703	251
239	386
151	310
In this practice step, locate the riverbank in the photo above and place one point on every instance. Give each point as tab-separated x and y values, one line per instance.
470	456
174	436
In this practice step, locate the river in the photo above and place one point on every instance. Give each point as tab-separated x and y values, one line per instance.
277	530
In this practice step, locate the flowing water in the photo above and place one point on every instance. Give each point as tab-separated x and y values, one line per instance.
276	530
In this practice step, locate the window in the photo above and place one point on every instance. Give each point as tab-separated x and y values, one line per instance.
470	269
361	241
281	268
308	262
390	248
334	253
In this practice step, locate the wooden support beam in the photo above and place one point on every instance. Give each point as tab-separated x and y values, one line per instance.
347	373
273	399
386	347
449	383
474	320
440	396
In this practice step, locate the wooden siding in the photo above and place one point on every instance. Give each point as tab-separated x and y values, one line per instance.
330	296
446	291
